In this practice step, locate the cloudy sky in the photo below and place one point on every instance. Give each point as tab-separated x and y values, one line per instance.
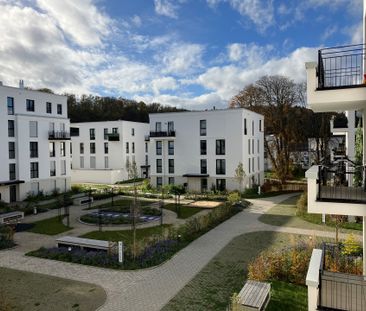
188	53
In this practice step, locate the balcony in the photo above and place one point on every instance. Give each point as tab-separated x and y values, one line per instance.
336	82
340	121
161	134
113	137
58	135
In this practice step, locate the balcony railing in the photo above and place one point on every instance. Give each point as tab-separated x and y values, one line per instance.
334	184
163	134
341	67
58	135
113	137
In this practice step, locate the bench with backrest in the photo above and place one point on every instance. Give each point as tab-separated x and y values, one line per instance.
11	218
71	242
82	200
254	296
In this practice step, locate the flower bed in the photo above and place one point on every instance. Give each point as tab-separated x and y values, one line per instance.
6	237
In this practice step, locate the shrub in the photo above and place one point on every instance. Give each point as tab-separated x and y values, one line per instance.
351	246
6	237
302	204
233	197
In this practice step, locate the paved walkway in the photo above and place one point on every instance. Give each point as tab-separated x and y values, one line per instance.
151	289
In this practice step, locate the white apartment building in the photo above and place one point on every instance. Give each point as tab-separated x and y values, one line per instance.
202	149
101	151
35	147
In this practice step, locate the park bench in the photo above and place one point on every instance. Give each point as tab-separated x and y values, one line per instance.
71	242
254	296
11	218
82	200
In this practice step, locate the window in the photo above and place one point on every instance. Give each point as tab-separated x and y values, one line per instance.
221	184
106	162
127	147
159	181
53	168
33	146
252	128
115	130
11	146
220	167
159	168
203	184
29	104
146	159
133	147
63	167
81	148
51	148
92	134
81	162
12	171
171	180
249	166
220	146
159	147
245	127
170	126
253	146
33	129
48	107
70	148
203	166
170	147
203	127
105	134
11	131
92	162
260	125
92	147
51	127
259	164
59	109
253	169
34	170
248	146
257	145
63	149
157	126
146	147
10	102
203	147
133	132
106	148
171	166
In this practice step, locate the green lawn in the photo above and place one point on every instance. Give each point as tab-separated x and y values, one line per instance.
123	235
226	273
121	203
49	226
20	290
284	214
184	211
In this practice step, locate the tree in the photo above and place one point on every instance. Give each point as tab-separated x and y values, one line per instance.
177	191
128	168
240	174
357	177
134	213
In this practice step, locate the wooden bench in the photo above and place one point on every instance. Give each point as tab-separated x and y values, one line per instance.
11	218
82	200
87	244
254	296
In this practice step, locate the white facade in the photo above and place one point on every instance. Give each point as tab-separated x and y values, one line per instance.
35	146
101	150
178	154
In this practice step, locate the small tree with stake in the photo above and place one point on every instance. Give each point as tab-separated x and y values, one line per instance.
177	191
240	175
134	213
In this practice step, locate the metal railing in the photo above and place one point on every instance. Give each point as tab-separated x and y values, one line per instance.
58	135
113	137
340	67
338	185
162	134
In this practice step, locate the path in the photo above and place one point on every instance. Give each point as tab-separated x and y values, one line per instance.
151	289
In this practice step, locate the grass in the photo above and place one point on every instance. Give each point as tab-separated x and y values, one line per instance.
184	211
20	290
49	226
226	273
123	235
120	203
284	214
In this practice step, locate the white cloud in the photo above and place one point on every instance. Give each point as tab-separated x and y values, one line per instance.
166	8
136	21
329	31
355	33
248	54
164	83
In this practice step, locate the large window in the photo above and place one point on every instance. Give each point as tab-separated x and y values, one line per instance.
157	126
245	127
133	147
63	149
105	134
12	171
221	184
252	128
159	182
220	167
260	125
92	162
170	147
11	146
171	180
81	148
33	129
203	166
203	184
133	132
171	166
203	147
127	147
34	173
106	162
10	102
53	168
48	107
11	128
159	147
63	167
33	147
92	134
51	148
146	147
203	127
220	146
92	147
170	126
106	149
59	109
159	166
30	104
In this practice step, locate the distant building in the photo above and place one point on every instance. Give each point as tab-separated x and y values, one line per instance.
34	135
102	151
202	149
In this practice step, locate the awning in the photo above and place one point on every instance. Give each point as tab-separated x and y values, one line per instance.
11	182
196	175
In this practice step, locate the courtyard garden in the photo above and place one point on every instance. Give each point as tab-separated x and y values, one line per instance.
49	226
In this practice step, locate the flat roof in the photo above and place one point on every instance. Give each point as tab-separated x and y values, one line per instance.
30	90
206	111
105	121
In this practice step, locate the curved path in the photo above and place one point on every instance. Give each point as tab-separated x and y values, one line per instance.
151	289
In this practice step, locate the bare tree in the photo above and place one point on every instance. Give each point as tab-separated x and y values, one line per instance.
240	175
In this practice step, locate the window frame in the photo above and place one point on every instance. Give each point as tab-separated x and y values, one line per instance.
33	149
220	167
10	107
220	147
159	166
48	107
30	105
203	127
34	170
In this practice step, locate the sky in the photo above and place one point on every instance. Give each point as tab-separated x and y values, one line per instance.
188	53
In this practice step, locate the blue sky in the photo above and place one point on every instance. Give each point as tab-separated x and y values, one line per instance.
189	53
